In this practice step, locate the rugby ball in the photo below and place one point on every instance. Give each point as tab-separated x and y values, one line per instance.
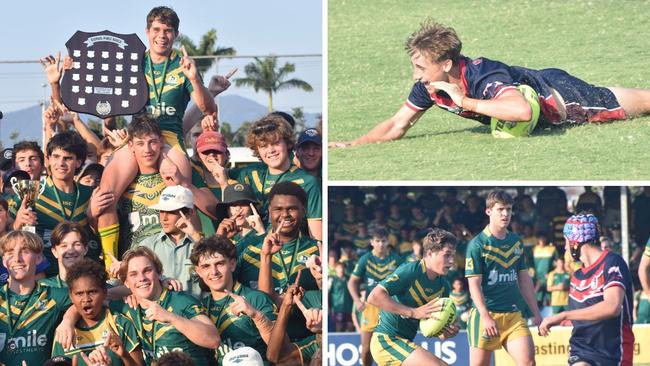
436	323
507	129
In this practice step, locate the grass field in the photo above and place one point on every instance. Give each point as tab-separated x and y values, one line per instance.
603	42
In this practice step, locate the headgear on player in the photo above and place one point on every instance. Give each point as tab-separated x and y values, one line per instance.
581	229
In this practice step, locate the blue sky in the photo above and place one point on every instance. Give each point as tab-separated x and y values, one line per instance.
32	29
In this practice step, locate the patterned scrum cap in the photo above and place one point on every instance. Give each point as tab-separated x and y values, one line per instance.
582	228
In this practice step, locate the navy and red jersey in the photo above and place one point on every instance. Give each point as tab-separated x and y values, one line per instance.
608	341
486	79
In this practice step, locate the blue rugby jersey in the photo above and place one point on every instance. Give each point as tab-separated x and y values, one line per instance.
608	341
486	79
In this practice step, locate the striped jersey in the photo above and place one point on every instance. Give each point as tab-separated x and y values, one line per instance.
137	219
89	338
498	261
372	269
28	333
410	286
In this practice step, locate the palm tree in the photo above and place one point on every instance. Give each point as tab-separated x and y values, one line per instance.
265	75
207	47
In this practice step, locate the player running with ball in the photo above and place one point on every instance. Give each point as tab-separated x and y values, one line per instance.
408	295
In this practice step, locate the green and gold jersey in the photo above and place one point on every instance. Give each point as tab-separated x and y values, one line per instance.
307	348
286	264
420	223
242	242
372	270
544	257
340	298
498	261
258	177
54	281
362	244
239	331
157	338
410	286
168	99
559	297
461	300
348	228
137	219
89	338
27	324
395	224
52	207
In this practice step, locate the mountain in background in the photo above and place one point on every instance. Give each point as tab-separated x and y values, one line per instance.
233	109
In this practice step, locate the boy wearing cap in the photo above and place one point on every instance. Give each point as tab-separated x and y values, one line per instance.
271	139
239	219
91	175
600	300
175	242
210	173
310	153
32	309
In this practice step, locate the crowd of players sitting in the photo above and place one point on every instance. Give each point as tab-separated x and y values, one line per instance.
392	221
212	270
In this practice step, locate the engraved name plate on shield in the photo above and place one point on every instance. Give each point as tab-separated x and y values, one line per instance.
104	65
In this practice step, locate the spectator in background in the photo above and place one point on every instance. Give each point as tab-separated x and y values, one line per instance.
473	216
528	213
309	152
419	220
590	201
445	217
544	254
557	283
348	227
340	300
460	296
105	152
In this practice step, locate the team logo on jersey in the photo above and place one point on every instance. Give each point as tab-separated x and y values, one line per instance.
303	259
172	79
42	305
495	277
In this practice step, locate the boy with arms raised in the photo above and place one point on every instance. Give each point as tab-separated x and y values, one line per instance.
106	337
408	295
173	79
371	268
28	311
498	277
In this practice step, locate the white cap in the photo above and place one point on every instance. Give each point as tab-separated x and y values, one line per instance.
174	198
243	356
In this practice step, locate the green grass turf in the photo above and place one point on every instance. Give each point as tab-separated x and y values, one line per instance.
603	42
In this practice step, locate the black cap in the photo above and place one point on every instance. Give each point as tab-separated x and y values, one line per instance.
237	192
310	135
91	167
18	174
6	159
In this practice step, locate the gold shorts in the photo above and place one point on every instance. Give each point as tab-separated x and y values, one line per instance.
510	325
369	318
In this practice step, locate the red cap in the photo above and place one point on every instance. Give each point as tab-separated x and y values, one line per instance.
211	140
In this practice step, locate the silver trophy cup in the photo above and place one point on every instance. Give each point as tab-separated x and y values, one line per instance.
29	191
